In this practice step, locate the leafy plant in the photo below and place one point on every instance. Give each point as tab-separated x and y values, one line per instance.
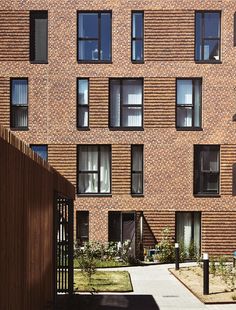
166	247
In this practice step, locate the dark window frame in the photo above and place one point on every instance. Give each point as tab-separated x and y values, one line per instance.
137	39
137	172
93	171
203	38
190	128
12	107
192	225
99	61
197	169
79	106
78	213
128	128
46	145
32	37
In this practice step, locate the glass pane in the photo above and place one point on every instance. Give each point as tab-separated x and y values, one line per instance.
197	103
197	231
137	31
19	117
132	92
132	117
88	183
105	53
88	25
210	160
88	158
184	117
115	103
88	50
137	158
83	91
41	39
184	229
41	150
83	116
211	50
19	92
105	169
137	50
137	183
210	182
212	25
184	92
198	36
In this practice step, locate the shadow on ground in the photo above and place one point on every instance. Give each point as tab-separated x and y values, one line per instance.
107	302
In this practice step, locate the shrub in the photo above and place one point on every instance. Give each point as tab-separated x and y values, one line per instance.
166	247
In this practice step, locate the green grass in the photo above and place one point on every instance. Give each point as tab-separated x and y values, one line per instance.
103	281
104	264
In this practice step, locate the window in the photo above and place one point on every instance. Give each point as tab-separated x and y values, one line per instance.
41	150
126	103
137	169
94	167
121	227
188	103
83	103
188	232
207	36
137	36
39	36
19	103
94	36
82	227
206	169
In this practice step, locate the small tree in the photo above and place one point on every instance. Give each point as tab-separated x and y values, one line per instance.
166	247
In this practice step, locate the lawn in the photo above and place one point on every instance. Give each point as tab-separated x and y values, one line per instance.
104	263
103	281
192	278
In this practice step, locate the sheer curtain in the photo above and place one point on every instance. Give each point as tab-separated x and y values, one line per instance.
197	230
184	228
115	103
184	97
20	102
104	169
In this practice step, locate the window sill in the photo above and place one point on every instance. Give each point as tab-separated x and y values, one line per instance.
137	62
94	61
94	195
126	128
189	129
219	62
207	195
137	195
39	62
83	129
18	129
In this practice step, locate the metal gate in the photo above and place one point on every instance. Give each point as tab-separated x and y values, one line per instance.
64	245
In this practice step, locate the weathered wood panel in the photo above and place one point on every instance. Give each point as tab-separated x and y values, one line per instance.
14	35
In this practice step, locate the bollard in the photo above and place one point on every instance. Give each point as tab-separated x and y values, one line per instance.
176	256
234	258
205	274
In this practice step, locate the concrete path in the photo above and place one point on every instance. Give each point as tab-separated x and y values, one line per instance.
167	291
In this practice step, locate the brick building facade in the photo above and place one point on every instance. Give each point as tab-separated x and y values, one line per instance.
169	153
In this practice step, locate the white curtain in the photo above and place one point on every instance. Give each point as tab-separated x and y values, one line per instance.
104	170
197	103
19	92
115	103
184	228
197	230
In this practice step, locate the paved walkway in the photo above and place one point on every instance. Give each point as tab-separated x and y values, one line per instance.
167	291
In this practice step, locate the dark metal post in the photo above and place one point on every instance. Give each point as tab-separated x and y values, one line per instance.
234	259
176	256
205	274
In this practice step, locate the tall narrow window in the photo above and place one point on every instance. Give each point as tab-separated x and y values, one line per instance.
94	36
206	169
137	36
19	103
83	103
82	227
137	169
94	164
188	232
126	103
207	36
188	103
39	36
41	150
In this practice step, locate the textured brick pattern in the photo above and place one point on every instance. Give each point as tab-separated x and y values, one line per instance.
218	232
228	158
168	154
14	35
169	35
159	104
4	101
121	169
